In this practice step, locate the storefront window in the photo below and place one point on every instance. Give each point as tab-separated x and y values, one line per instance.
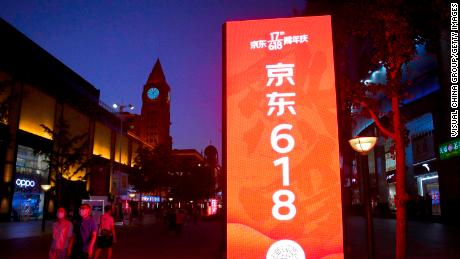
391	196
31	172
428	190
390	155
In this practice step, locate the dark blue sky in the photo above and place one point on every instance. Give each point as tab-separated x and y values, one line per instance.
114	45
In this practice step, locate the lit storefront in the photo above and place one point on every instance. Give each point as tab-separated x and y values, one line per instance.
390	171
428	188
28	197
150	201
424	163
53	90
391	189
422	167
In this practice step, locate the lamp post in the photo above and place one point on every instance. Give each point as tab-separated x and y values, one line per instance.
132	195
120	108
45	188
363	145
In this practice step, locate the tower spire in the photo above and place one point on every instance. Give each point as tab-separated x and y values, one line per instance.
157	75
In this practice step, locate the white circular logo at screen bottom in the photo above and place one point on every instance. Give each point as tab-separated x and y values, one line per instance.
285	249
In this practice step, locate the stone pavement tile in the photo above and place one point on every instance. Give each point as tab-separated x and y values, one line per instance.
9	230
30	247
200	241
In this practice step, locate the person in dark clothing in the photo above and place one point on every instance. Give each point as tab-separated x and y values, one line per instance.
171	217
428	204
85	231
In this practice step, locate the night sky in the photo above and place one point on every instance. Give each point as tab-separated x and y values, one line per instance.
114	45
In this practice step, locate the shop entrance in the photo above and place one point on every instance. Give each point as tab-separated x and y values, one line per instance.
428	190
28	197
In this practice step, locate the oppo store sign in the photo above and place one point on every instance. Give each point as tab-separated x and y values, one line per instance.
24	183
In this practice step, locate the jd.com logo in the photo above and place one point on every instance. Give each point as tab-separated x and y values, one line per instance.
25	183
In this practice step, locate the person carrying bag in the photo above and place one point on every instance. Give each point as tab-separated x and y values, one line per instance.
106	234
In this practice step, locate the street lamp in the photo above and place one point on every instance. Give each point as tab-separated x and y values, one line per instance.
45	188
131	195
120	108
363	145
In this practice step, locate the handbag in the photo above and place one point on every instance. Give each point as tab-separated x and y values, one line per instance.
104	237
103	232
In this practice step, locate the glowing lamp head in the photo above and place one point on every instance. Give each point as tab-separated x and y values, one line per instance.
363	145
46	187
131	195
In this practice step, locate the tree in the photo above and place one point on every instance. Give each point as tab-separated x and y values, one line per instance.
183	177
193	182
151	169
68	157
391	30
142	176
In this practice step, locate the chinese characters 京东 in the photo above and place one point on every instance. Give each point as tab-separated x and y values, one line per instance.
277	40
281	102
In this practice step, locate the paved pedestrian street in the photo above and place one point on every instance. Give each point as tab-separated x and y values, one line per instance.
151	239
203	240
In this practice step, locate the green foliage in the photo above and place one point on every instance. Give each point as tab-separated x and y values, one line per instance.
70	154
387	33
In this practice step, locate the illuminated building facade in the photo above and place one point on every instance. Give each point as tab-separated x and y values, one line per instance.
37	89
432	155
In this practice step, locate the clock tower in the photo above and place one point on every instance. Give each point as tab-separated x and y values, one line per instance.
155	113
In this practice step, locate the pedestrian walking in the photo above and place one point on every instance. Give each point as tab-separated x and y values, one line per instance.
195	214
127	214
171	220
61	246
428	205
106	236
85	233
180	221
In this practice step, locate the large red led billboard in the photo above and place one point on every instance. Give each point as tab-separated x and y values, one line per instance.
281	140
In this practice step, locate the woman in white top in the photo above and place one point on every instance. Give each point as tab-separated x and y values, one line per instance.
106	236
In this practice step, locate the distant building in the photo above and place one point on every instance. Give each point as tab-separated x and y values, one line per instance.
153	124
211	157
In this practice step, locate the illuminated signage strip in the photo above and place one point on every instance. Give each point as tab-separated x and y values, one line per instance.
449	149
283	175
151	198
24	183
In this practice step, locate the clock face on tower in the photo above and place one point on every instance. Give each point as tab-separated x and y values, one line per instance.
153	93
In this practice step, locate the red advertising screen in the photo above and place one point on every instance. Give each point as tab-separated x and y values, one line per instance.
281	140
